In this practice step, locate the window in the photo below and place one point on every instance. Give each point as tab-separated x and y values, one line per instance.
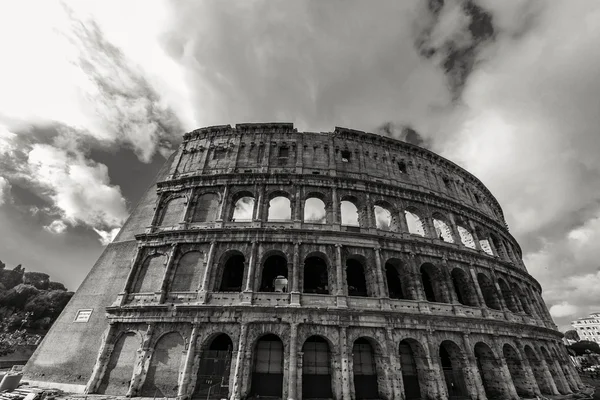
219	153
402	167
284	152
346	155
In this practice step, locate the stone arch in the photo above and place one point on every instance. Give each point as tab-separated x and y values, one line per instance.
206	207
397	278
508	296
244	204
484	241
497	245
350	211
539	372
452	362
315	209
443	231
119	370
414	367
315	274
414	221
488	289
317	368
463	286
214	367
386	216
274	266
564	365
554	372
279	206
172	211
162	377
267	367
433	283
365	369
517	372
466	237
490	372
150	274
233	265
524	300
188	272
356	277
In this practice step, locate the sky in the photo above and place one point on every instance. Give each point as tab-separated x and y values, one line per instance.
94	95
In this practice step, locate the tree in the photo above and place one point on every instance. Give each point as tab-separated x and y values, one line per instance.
572	335
584	347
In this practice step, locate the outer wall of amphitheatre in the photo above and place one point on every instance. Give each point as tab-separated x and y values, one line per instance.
266	262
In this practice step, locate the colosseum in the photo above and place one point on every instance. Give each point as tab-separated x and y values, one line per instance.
267	262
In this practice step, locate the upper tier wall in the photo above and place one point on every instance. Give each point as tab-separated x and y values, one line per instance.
280	148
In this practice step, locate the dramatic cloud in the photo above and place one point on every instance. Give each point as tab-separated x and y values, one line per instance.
4	190
56	226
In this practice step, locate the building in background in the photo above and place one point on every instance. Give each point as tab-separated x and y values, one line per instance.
267	262
588	328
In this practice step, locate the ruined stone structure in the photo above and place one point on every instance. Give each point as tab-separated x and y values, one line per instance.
275	263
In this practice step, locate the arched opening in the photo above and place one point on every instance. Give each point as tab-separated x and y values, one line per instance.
349	213
274	274
365	371
517	373
414	223
565	366
314	211
316	369
489	370
243	209
508	296
151	274
315	275
172	212
466	237
207	208
212	381
119	371
233	274
383	218
463	286
162	378
525	304
433	285
497	245
490	295
267	375
556	374
539	371
410	371
355	277
188	272
442	229
484	241
280	209
393	274
452	364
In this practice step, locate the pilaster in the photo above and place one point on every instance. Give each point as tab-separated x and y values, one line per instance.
189	362
104	353
203	289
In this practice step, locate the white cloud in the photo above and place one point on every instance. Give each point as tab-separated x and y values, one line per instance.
57	226
4	190
563	309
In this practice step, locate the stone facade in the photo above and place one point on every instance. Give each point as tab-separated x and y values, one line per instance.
406	284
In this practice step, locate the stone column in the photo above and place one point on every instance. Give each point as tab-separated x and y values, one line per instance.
335	204
136	259
299	154
503	304
189	362
402	220
339	276
206	275
236	387
448	283
258	207
344	354
507	381
104	353
480	297
249	286
293	367
475	236
224	204
370	223
168	272
381	290
142	363
477	390
436	379
298	217
562	377
416	283
527	368
454	229
547	374
395	378
295	292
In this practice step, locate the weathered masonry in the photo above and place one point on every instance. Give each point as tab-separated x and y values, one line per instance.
275	263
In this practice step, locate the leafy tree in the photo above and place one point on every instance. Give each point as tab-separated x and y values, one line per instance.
572	335
584	347
56	286
38	279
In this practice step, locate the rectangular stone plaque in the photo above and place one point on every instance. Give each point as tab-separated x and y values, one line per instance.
83	315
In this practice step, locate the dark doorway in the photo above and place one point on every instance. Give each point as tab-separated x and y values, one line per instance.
273	267
355	275
233	274
267	375
213	373
410	375
394	283
316	371
452	367
315	276
427	285
365	371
